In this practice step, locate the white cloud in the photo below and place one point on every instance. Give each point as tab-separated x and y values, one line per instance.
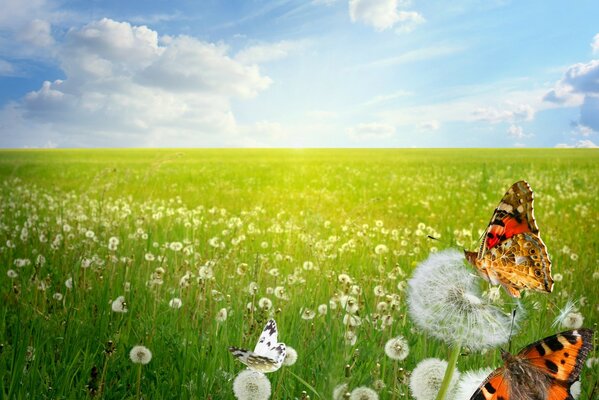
581	144
430	125
383	14
517	132
6	68
267	52
371	132
510	112
36	32
595	44
579	87
125	86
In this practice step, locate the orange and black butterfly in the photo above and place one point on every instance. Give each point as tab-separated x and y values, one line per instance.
544	370
512	253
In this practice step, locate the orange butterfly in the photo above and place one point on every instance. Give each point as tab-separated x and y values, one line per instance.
512	253
544	370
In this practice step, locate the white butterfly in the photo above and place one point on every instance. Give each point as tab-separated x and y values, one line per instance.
268	355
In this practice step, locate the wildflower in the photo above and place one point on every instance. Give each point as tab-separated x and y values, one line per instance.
140	355
469	382
573	320
308	314
426	379
242	269
344	278
352	320
322	309
381	249
265	303
379	291
280	293
90	234
175	303
119	305
69	283
57	296
221	316
251	385
252	288
12	274
308	265
113	243
340	391
443	300
205	272
149	257
175	246
558	277
363	393
290	357
350	338
349	304
397	348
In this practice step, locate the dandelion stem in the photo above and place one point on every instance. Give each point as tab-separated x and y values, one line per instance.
451	364
139	381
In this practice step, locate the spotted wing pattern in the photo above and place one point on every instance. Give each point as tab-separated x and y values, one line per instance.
268	355
512	253
542	370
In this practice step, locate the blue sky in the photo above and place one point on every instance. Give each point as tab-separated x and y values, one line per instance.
322	73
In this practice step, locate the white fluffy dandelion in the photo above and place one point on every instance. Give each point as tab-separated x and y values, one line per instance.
397	348
340	391
119	305
363	393
251	385
444	300
140	355
175	303
427	377
469	382
221	316
290	356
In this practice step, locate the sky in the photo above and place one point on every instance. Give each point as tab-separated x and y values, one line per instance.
299	73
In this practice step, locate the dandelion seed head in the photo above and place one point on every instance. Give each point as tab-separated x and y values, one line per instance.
340	391
251	385
290	356
175	303
57	296
12	274
397	348
265	303
443	300
469	382
381	249
573	320
323	309
427	377
119	305
307	314
221	316
140	355
575	389
363	393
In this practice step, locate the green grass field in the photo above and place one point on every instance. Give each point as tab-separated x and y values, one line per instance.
204	225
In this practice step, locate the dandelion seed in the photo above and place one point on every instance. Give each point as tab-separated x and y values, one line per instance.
344	278
205	273
558	277
469	382
119	305
12	274
280	293
575	389
90	234
252	288
175	246
290	356
175	303
242	269
340	391
30	354
363	393
149	257
308	314
443	300
322	309
57	296
221	316
308	265
381	249
349	304
251	385
69	283
352	320
573	320
595	276
265	303
397	348
350	338
379	385
379	291
140	355
426	379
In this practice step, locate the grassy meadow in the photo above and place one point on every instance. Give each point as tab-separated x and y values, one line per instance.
243	235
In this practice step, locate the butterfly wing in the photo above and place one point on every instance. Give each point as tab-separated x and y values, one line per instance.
560	356
520	262
495	387
513	215
268	355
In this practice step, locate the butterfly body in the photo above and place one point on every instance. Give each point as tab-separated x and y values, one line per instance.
543	370
268	355
512	253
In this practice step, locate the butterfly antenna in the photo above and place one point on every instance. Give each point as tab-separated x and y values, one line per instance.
511	330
